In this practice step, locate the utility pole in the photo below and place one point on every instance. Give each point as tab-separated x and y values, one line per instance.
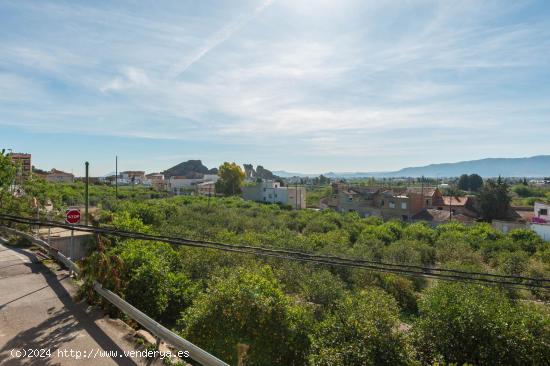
451	208
116	177
422	192
296	194
87	193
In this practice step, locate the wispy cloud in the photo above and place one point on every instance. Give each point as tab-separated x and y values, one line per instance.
219	37
352	79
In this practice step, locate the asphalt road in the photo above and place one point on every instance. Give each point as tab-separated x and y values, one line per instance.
37	312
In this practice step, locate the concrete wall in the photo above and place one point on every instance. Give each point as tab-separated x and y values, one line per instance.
356	203
543	230
63	244
210	178
507	226
393	209
297	197
271	192
55	178
252	193
275	195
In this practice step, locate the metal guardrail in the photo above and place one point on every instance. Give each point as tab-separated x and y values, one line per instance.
56	254
157	329
160	331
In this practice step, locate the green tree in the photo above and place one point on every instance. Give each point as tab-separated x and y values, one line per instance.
362	330
513	263
475	182
7	175
479	325
494	199
231	179
249	307
464	182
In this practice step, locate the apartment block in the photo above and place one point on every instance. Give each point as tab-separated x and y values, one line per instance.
273	192
23	162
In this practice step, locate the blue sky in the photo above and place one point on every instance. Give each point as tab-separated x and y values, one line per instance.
308	86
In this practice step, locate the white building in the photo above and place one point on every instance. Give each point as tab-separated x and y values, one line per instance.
57	176
210	178
272	192
180	185
155	180
541	220
542	212
133	176
205	188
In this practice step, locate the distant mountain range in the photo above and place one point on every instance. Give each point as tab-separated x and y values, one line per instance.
535	166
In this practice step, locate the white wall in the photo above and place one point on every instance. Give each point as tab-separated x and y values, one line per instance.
542	206
210	178
543	230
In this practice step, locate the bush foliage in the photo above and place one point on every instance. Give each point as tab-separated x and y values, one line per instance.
293	313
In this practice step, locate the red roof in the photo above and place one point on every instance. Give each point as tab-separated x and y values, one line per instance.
455	201
59	172
426	191
439	216
20	155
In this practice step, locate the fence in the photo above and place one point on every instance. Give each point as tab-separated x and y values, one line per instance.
161	332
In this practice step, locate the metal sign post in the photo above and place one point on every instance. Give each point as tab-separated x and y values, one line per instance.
71	249
72	216
49	229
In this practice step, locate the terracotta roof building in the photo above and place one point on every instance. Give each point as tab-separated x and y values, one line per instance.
58	176
23	162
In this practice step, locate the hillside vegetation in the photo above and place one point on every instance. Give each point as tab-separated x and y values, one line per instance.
294	313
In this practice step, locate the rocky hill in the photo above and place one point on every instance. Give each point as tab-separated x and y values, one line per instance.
189	169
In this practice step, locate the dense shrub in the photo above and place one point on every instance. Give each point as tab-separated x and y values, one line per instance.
362	330
419	231
528	240
402	290
265	307
249	306
478	325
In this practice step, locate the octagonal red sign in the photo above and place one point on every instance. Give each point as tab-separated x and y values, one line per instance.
72	216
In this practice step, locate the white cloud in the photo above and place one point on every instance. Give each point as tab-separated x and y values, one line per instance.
219	37
318	85
131	77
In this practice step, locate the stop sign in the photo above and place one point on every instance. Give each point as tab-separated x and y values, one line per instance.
72	216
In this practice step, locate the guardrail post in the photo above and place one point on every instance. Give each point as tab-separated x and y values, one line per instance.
71	249
161	333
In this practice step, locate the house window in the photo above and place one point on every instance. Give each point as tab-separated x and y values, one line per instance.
543	212
427	202
382	203
392	204
350	199
403	205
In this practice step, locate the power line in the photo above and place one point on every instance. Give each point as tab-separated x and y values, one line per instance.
114	231
402	269
215	245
